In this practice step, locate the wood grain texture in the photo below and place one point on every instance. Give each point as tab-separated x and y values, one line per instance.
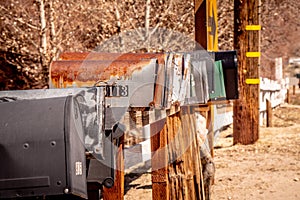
176	146
246	108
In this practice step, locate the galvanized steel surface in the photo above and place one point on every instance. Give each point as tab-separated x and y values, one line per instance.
148	80
92	107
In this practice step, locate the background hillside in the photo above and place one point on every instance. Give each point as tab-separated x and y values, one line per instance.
280	35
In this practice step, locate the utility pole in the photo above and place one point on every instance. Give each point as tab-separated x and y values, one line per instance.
247	43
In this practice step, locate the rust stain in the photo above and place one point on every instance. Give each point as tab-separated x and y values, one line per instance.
81	69
88	56
161	57
88	72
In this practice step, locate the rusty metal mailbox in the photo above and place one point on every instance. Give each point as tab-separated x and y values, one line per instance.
133	82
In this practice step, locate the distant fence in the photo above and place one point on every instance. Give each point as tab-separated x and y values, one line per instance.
275	92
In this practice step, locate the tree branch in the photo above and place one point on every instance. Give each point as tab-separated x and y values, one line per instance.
164	14
43	27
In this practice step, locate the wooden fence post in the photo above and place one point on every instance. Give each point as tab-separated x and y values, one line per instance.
269	114
294	89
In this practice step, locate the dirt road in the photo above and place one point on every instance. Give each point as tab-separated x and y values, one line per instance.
269	169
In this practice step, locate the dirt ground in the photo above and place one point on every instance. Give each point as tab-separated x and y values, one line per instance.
267	170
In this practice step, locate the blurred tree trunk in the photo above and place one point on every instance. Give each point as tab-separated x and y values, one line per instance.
44	55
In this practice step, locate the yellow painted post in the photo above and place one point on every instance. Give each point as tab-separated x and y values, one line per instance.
212	25
212	45
206	34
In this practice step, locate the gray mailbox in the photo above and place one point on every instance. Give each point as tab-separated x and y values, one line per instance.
41	148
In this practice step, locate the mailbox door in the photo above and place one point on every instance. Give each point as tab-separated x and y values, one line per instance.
37	148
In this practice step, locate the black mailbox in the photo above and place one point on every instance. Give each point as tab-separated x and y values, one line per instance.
41	149
230	71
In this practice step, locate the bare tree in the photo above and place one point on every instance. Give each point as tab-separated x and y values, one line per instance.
153	25
34	32
19	42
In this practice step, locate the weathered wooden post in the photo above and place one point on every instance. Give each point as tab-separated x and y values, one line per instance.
247	42
288	96
294	89
269	114
176	160
159	160
206	34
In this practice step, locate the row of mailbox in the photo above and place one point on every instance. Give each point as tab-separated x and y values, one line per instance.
151	80
40	128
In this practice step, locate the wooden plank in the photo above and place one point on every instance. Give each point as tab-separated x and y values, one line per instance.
219	102
188	157
117	191
185	170
181	166
160	183
177	167
202	108
173	152
160	191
